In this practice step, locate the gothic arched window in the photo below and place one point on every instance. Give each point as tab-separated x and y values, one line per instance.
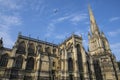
19	62
30	64
40	49
21	48
47	49
31	50
70	65
4	60
54	51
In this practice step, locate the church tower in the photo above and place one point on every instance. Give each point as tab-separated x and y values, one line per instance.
98	43
104	62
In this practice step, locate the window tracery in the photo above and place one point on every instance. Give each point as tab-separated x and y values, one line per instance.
4	60
21	48
19	62
31	49
30	64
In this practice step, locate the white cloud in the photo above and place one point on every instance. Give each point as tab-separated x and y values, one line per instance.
50	29
5	28
36	5
74	18
116	45
63	18
79	33
78	18
60	36
87	22
9	4
114	33
7	40
114	19
9	18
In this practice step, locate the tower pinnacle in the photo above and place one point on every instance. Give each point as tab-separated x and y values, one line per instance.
94	28
1	43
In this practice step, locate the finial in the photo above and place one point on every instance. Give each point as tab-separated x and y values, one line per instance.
102	34
1	42
89	35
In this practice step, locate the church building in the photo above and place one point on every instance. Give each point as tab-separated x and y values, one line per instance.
34	59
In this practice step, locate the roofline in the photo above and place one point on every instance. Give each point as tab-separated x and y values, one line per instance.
48	43
76	36
37	40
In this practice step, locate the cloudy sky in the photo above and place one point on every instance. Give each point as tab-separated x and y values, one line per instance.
55	20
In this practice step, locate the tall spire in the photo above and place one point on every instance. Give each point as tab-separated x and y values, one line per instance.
94	28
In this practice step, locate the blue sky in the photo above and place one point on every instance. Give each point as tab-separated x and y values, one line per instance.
55	20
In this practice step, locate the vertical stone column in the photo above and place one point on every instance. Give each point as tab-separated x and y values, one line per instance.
38	68
66	65
26	54
92	69
84	61
76	75
62	64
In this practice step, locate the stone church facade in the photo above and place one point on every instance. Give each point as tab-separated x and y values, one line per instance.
33	59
